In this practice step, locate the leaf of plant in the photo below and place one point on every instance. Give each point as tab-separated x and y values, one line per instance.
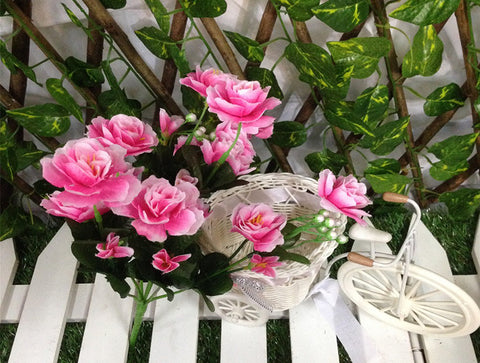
204	8
425	56
112	104
13	63
387	137
288	134
383	166
160	13
326	159
444	99
342	15
180	60
267	79
288	256
340	113
461	203
7	137
442	171
361	53
48	120
454	149
118	285
114	4
12	222
75	20
250	49
156	41
27	154
382	183
83	74
425	12
211	279
372	105
63	97
8	162
299	12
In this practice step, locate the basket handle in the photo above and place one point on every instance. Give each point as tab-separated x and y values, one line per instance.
360	259
395	197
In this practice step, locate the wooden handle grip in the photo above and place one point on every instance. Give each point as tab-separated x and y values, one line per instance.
395	198
360	259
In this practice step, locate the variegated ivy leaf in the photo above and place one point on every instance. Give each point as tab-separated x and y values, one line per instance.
48	119
7	137
454	149
266	78
250	49
340	113
444	99
160	13
476	104
361	53
27	154
386	137
156	41
83	74
425	12
299	10
442	171
382	183
204	8
342	15
372	105
288	134
461	203
12	63
114	4
63	97
383	166
425	56
8	163
326	159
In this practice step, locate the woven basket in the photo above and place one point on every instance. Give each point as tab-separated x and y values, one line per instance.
288	194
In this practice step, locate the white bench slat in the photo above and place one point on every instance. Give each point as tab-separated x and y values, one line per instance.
13	304
242	344
175	329
105	339
8	268
312	338
40	330
476	247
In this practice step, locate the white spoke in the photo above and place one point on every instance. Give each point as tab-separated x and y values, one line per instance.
435	314
373	287
417	319
384	286
413	289
427	295
380	294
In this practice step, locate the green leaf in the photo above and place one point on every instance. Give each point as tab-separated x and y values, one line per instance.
425	12
156	41
342	15
387	137
326	159
250	49
288	134
454	149
298	10
48	120
382	183
7	137
83	74
213	279
112	104
288	256
63	97
8	162
371	106
444	99
383	166
461	203
12	222
425	56
119	285
340	114
267	79
180	60
12	63
204	8
160	13
442	171
114	4
361	53
27	154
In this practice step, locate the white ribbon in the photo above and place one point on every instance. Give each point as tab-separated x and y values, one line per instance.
355	340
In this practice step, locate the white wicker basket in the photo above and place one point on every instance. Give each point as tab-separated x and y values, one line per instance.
291	195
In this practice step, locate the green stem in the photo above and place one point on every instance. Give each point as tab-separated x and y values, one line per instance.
140	309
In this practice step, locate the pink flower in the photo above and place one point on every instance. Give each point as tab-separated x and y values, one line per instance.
265	265
343	194
111	249
72	211
240	157
163	262
259	224
201	80
126	131
184	176
168	125
160	208
243	101
91	173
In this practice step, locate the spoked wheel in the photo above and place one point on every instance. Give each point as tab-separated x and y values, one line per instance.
239	309
431	304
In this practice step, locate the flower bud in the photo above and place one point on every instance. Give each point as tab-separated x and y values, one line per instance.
191	117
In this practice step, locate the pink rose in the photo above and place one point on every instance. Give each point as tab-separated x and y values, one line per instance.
243	101
240	157
91	173
201	80
168	125
72	211
343	194
184	176
259	224
161	207
265	265
111	248
163	262
127	131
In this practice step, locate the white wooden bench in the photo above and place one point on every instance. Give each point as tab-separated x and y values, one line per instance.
52	299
